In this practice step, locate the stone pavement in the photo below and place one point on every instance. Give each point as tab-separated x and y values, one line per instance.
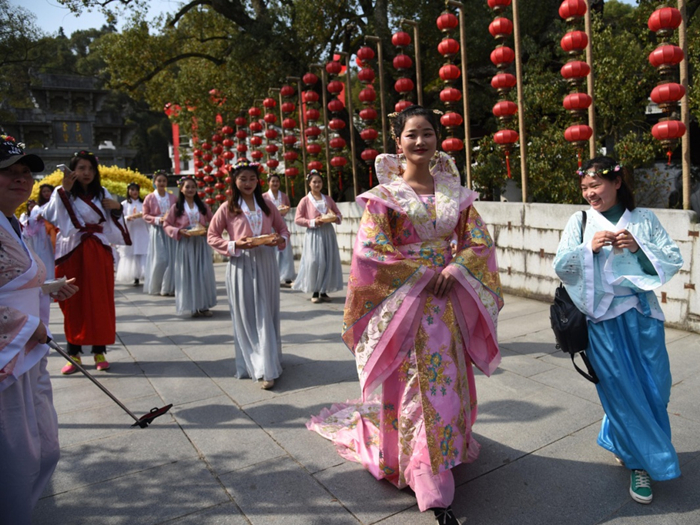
231	453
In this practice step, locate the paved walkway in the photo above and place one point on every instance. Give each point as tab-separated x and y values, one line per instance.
231	453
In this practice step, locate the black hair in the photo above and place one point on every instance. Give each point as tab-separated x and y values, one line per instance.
605	168
128	189
233	206
159	173
313	173
94	189
415	111
42	200
180	204
273	175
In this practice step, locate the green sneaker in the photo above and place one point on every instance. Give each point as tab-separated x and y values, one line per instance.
640	487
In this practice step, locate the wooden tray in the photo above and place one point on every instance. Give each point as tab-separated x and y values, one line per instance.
262	239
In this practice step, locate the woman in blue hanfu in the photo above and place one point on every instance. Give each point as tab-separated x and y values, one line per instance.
611	276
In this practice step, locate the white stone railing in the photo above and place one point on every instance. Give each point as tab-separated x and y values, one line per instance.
527	236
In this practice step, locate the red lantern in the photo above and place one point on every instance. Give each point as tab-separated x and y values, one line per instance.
219	185
272	163
312	131
451	120
401	105
254	112
369	134
312	114
269	103
365	53
401	39
287	91
670	92
228	180
404	85
228	155
448	95
216	138
209	189
502	56
368	114
198	163
502	81
313	148
257	155
501	28
227	130
291	172
208	168
368	95
270	118
310	96
448	47
218	162
256	141
206	146
256	127
289	123
572	9
402	62
309	79
228	143
334	67
271	134
289	140
366	75
288	107
335	105
447	22
272	148
505	137
578	133
241	121
217	150
666	18
505	109
452	144
209	201
668	55
220	197
575	69
315	165
449	72
369	155
574	41
335	86
197	153
337	143
577	101
291	156
668	130
338	162
336	124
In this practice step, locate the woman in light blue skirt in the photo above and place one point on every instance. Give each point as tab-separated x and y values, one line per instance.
158	274
320	270
285	258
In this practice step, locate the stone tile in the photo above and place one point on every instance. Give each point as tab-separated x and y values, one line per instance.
226	514
180	382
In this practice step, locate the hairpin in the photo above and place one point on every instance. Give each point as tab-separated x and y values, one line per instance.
594	172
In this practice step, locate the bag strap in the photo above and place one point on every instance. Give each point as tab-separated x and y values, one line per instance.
591	375
583	223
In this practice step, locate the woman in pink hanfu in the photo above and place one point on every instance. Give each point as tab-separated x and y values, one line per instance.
417	318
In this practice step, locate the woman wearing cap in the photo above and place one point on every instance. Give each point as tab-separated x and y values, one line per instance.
29	447
88	219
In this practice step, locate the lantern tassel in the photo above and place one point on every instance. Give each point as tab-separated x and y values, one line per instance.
508	163
578	158
293	190
669	154
340	181
370	176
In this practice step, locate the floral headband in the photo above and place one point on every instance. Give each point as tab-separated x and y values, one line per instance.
184	179
594	172
85	153
246	164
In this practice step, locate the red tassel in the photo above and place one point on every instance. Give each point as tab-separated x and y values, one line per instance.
669	153
292	189
370	176
340	181
578	158
508	163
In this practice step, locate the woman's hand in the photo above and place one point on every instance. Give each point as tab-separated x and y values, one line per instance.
244	244
185	233
624	239
69	178
441	284
110	204
602	238
40	335
278	239
67	290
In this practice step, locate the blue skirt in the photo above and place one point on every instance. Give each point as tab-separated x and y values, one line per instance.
320	269
629	356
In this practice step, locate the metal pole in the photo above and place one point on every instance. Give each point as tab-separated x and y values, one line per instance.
348	98
685	111
591	82
382	101
521	111
284	147
324	99
465	90
419	76
301	130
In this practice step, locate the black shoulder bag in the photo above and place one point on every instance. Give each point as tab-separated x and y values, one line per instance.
570	325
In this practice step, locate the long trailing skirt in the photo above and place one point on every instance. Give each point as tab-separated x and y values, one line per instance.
158	275
195	283
42	246
320	269
629	356
89	317
29	448
252	286
285	262
130	267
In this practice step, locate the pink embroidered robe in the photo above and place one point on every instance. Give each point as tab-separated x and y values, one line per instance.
173	224
307	211
239	228
418	348
151	209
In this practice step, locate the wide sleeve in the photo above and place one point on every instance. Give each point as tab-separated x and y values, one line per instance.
333	206
59	212
17	329
205	219
285	200
477	296
384	301
151	211
280	226
217	226
301	218
170	224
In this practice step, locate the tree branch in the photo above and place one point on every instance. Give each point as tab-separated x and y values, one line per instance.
169	62
185	9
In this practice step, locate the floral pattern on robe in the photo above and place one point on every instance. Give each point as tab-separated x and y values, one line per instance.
418	348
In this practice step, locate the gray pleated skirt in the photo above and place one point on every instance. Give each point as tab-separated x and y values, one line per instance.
195	284
252	286
158	274
320	269
285	261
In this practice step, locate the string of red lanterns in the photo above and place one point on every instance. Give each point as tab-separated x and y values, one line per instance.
311	116
664	21
289	138
368	115
270	134
402	63
503	82
450	74
335	105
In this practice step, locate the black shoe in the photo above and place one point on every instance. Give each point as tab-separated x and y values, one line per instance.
445	517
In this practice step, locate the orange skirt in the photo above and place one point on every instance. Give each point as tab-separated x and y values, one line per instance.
89	317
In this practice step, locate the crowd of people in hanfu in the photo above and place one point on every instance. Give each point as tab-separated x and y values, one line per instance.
421	309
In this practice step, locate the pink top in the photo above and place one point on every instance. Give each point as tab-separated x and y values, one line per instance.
151	210
238	228
307	212
173	224
281	198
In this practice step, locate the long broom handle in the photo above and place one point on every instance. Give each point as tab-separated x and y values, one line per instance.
61	351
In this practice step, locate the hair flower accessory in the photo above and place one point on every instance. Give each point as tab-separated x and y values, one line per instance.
246	164
594	172
184	179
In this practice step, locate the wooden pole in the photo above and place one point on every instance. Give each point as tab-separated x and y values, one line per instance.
685	110
382	98
591	82
521	111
